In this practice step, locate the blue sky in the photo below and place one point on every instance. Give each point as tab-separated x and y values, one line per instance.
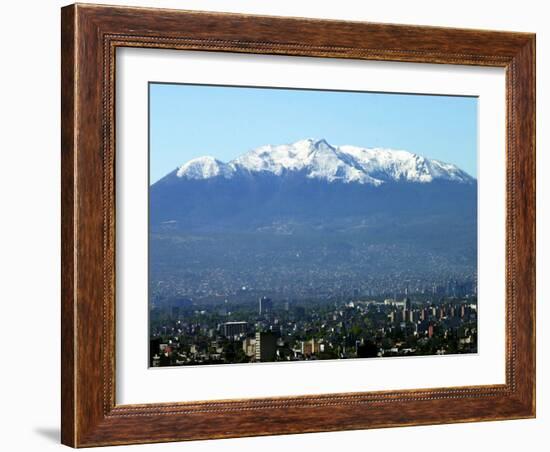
188	121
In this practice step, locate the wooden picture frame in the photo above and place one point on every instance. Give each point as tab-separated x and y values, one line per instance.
90	36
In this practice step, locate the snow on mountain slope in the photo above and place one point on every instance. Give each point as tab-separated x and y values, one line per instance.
317	159
205	168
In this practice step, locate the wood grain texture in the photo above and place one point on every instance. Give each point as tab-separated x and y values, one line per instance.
68	311
90	36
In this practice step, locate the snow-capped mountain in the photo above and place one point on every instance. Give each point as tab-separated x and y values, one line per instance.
205	168
313	183
317	159
312	213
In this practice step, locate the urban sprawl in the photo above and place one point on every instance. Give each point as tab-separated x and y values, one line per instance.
184	332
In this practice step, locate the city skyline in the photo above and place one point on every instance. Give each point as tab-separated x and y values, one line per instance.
186	333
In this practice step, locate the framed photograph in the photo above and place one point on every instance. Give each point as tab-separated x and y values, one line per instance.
282	225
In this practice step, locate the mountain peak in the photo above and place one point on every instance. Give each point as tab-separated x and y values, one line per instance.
322	143
204	168
313	143
318	159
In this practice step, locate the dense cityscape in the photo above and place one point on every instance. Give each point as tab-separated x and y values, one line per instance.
440	321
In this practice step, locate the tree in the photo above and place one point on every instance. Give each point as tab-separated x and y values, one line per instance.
367	350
